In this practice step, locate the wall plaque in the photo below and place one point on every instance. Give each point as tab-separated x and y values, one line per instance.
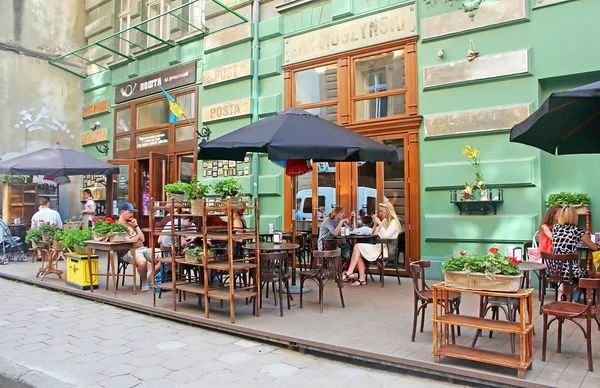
226	110
92	137
144	86
369	30
95	108
152	139
227	36
226	73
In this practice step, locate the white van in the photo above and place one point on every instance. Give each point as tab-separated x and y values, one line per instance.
367	198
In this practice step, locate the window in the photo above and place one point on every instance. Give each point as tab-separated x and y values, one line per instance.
153	114
196	16
124	23
123	120
160	26
187	104
367	84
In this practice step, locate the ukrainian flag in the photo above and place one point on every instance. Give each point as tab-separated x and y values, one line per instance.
173	107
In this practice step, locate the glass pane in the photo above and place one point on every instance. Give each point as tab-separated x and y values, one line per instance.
394	191
187	104
326	189
152	114
124	22
123	120
123	144
121	188
186	164
375	108
379	73
184	133
153	26
328	113
314	85
366	191
152	139
304	203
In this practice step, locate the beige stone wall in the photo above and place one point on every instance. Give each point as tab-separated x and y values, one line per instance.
40	103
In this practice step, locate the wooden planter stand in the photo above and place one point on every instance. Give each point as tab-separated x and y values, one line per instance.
523	329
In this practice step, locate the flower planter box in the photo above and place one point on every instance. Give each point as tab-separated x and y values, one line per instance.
197	207
99	237
117	237
581	209
478	281
193	259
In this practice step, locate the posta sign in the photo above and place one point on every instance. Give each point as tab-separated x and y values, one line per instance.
171	78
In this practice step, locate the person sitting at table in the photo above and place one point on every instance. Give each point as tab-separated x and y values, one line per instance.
135	235
548	221
386	226
186	224
239	226
332	225
565	237
321	212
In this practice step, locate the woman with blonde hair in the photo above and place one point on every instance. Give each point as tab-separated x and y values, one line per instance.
332	225
385	226
565	237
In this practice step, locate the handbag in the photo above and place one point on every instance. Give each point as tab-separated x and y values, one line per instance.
533	253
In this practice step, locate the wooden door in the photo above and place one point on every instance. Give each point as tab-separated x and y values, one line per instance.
121	188
159	164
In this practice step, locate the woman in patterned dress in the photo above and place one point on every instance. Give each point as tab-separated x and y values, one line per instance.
565	237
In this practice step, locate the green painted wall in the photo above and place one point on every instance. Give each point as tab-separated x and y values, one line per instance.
559	58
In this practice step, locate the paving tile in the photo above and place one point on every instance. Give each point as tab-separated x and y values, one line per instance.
244	343
143	362
118	370
172	345
158	383
115	350
151	373
186	376
126	381
278	370
236	358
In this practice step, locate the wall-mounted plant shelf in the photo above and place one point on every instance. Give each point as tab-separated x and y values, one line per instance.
471	206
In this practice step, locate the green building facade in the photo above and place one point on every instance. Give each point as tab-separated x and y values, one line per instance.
464	72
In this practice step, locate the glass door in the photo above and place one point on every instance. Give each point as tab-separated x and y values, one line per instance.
324	191
157	177
122	190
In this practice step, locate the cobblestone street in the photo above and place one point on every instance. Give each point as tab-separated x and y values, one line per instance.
54	340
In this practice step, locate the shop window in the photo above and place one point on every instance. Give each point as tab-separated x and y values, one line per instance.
124	120
375	108
184	133
186	165
328	113
152	114
187	102
123	144
316	85
378	73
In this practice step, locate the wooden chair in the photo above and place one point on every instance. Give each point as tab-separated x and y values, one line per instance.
391	246
329	266
423	296
556	276
570	311
272	271
510	308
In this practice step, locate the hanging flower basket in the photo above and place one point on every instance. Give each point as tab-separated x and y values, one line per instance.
117	237
196	207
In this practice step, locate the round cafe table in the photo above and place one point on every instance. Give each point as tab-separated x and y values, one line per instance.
271	247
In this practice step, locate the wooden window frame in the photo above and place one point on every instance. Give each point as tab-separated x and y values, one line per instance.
169	148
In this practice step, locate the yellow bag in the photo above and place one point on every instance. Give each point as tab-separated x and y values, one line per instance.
596	258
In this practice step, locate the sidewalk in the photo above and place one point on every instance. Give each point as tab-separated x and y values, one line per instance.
48	339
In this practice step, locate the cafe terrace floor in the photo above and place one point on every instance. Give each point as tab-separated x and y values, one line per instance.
374	327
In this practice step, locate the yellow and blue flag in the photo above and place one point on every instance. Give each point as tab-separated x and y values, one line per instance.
173	107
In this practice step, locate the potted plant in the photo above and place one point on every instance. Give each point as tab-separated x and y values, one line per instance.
577	200
194	254
479	184
75	240
48	231
33	237
492	272
176	190
196	192
108	229
228	187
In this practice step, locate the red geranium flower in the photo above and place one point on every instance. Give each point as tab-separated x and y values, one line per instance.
494	250
462	253
194	170
41	221
514	261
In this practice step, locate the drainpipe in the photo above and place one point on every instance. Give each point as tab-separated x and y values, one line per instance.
255	91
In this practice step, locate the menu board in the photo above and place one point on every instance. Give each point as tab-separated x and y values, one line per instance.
226	168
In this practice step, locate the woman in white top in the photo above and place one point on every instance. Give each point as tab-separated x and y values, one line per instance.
386	226
89	208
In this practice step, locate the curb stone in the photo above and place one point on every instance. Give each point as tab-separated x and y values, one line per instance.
15	375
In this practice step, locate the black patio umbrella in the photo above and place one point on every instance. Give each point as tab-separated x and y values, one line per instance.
56	161
567	123
296	134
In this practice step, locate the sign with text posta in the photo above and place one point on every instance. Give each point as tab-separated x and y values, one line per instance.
169	79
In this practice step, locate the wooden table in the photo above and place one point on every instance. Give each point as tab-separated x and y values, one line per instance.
270	247
443	319
111	248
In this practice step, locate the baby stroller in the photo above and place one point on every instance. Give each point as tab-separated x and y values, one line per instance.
9	246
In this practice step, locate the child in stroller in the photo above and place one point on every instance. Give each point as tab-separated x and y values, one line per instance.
9	246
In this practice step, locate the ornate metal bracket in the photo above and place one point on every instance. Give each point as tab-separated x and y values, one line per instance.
204	132
102	148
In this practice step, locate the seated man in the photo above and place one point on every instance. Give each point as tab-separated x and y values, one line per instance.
47	216
142	254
